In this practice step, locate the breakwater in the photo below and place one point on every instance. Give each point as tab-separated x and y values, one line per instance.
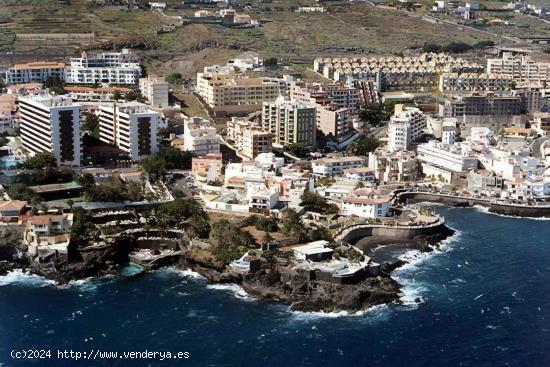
494	206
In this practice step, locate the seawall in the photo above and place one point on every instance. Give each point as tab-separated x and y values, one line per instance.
535	211
397	233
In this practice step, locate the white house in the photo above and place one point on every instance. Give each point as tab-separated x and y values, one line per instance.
335	166
313	251
366	203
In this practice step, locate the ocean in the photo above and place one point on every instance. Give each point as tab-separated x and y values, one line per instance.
485	301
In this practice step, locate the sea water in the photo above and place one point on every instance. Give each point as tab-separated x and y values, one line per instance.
484	301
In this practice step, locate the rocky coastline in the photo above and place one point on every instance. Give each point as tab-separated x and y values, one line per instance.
276	280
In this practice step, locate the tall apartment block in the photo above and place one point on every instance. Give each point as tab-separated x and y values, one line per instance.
51	124
249	139
405	127
112	68
290	122
31	72
131	126
335	105
155	91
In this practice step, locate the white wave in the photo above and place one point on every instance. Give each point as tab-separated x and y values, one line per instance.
372	312
87	284
187	273
25	278
21	277
485	209
411	289
237	290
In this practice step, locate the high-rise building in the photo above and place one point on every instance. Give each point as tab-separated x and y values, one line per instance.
335	105
131	126
248	138
405	127
104	68
290	122
51	124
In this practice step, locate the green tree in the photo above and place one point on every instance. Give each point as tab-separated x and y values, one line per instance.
186	215
271	62
373	114
228	242
364	145
86	180
314	202
20	191
40	161
431	47
91	123
113	191
292	226
266	224
299	150
55	84
457	47
174	78
155	167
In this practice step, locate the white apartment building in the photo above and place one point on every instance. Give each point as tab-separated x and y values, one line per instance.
248	138
520	68
393	167
110	68
330	167
33	72
51	124
131	126
155	91
406	126
223	89
366	203
290	122
452	158
448	132
200	136
363	174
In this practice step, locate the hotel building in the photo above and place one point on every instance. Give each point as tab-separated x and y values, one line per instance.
290	122
110	68
51	124
223	89
131	126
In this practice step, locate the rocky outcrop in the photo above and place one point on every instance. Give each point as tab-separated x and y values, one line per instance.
313	295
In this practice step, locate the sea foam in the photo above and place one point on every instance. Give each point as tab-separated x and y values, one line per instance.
237	290
413	290
21	277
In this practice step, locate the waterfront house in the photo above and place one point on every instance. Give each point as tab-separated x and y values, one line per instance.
366	203
313	251
11	210
48	235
